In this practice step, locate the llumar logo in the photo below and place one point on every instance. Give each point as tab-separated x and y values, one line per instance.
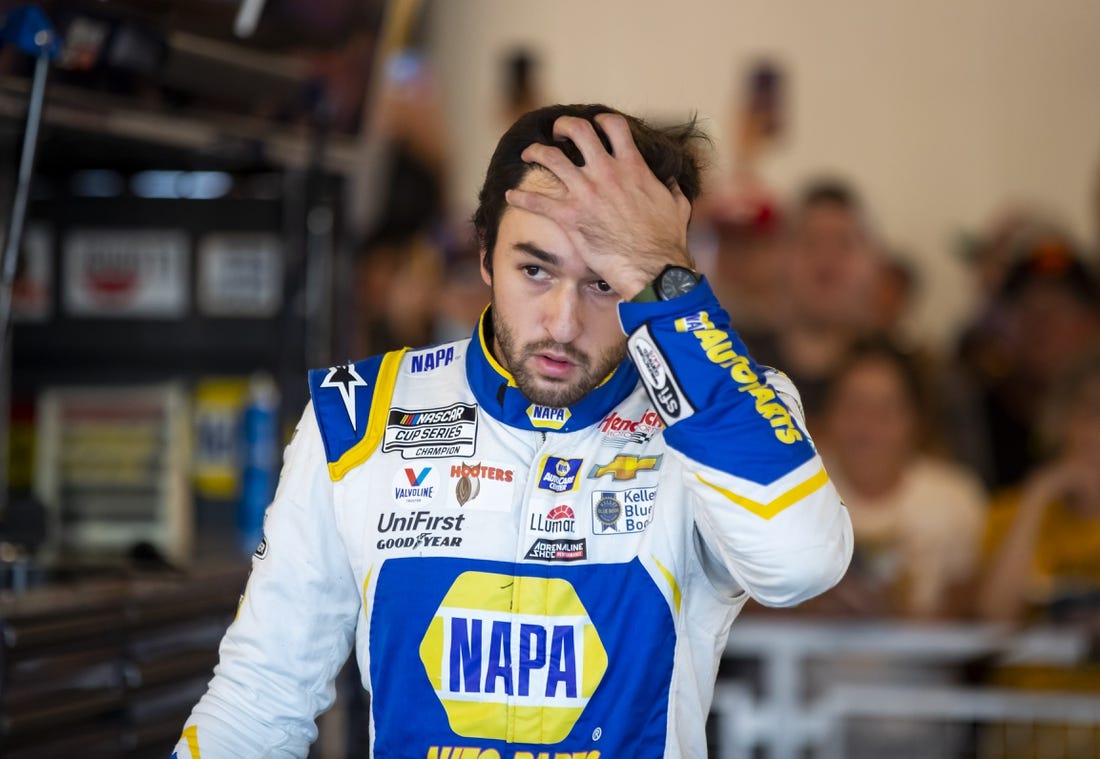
512	658
719	349
625	467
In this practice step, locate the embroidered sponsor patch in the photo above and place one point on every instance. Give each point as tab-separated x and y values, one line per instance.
548	417
624	467
431	359
620	512
620	430
480	486
433	432
660	384
415	487
544	549
559	475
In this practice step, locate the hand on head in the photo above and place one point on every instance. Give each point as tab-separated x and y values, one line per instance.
625	222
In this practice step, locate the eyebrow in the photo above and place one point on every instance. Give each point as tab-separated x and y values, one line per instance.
542	255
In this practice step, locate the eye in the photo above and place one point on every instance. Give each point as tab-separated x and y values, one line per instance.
602	287
531	270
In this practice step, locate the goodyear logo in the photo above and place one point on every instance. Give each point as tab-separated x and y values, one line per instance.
548	417
625	467
719	349
512	658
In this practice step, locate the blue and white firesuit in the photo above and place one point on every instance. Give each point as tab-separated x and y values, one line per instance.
518	581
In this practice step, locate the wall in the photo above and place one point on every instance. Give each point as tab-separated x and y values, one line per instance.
939	110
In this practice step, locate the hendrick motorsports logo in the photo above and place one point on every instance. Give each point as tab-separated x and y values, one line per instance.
432	433
505	669
622	511
619	430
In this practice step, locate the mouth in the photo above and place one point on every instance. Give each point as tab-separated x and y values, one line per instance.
554	365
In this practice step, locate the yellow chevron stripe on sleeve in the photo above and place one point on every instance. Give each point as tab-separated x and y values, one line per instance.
781	502
376	426
675	586
191	735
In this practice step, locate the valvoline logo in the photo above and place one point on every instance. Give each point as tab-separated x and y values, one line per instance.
513	658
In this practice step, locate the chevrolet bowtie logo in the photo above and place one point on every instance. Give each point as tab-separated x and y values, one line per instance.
626	467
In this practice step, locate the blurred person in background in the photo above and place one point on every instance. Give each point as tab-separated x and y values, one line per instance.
398	286
830	266
892	300
987	354
521	88
1044	536
399	271
1048	313
738	215
1042	562
917	518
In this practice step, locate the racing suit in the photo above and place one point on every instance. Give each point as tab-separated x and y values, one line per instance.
519	581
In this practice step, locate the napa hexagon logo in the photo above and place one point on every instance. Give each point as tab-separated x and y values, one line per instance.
512	658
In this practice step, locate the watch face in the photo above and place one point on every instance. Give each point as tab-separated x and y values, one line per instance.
675	281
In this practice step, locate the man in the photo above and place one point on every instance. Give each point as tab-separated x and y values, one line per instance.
831	267
536	545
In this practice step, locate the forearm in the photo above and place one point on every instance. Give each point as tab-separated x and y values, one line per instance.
764	504
1003	591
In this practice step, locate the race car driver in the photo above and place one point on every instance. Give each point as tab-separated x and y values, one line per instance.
536	539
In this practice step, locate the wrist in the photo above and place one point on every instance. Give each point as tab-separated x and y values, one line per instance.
670	283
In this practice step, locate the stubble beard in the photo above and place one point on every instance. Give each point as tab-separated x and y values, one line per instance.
546	391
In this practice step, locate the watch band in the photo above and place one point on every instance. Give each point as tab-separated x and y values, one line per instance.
672	282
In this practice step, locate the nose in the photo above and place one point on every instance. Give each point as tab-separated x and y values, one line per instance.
561	317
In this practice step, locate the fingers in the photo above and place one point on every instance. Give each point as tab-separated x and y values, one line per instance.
683	205
618	134
541	204
583	135
553	160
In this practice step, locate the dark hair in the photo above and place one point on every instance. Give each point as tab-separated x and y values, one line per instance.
876	348
829	192
668	151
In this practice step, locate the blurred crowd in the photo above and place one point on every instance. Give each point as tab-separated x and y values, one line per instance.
971	470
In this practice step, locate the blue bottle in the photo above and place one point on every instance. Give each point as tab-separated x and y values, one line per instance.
259	461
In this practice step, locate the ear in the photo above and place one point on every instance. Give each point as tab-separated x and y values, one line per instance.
486	275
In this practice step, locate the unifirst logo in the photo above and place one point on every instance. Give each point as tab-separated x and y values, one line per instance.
719	349
512	658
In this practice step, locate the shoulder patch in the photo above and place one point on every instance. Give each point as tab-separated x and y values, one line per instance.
350	402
